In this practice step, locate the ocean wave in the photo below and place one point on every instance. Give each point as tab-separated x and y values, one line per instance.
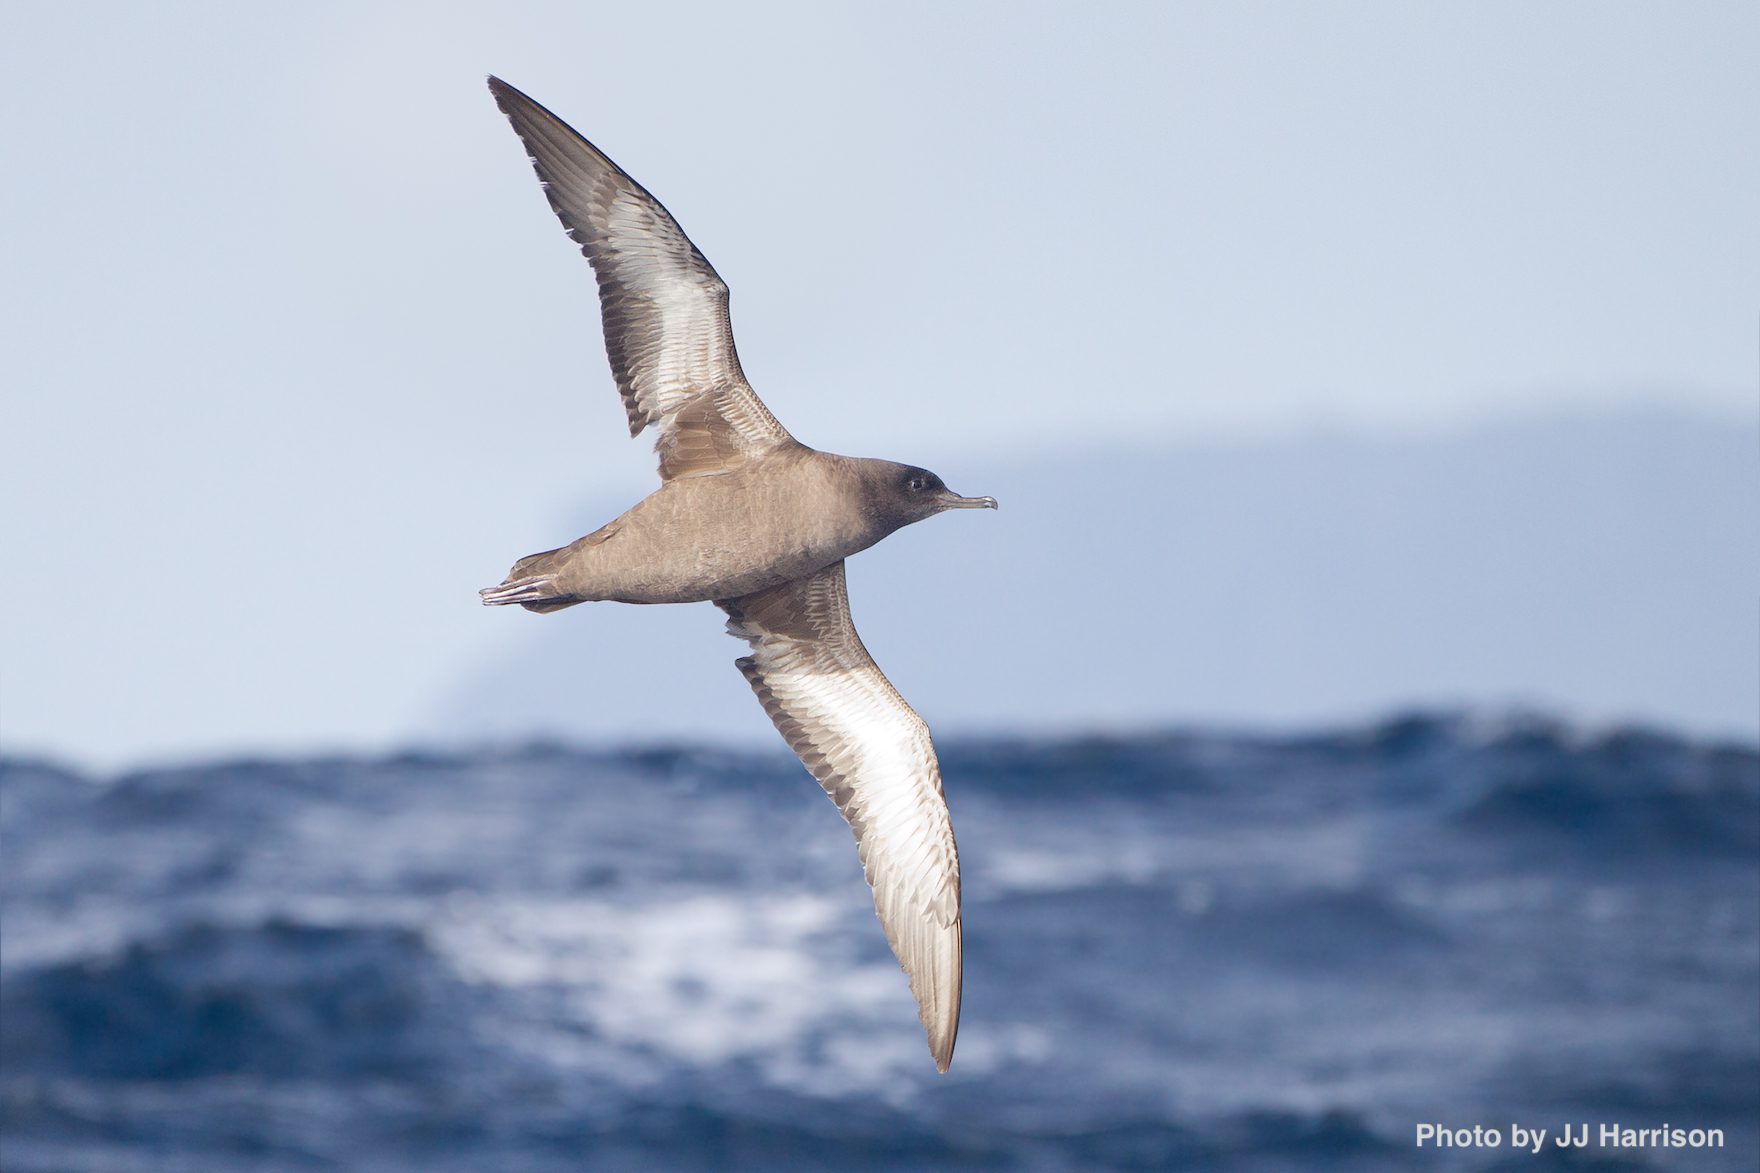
278	999
1212	949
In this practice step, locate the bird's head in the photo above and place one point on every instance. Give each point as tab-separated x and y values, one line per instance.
904	493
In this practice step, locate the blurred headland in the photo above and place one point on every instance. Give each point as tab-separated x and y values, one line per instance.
1601	565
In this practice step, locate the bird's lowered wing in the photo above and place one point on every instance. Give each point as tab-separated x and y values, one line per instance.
664	307
873	756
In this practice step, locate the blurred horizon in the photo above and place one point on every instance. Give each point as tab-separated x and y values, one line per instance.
1487	721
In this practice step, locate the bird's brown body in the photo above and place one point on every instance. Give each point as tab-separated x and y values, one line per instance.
702	538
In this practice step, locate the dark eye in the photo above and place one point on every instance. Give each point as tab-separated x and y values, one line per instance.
917	482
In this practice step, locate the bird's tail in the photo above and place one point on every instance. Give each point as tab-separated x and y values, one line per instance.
532	584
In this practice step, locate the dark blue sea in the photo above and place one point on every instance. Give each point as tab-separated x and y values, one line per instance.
1191	950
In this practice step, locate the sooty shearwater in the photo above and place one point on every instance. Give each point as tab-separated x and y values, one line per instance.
748	517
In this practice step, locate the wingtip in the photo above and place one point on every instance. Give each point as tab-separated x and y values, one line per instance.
503	93
941	1048
940	1016
510	97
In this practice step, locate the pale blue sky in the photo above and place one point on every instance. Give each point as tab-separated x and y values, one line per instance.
297	359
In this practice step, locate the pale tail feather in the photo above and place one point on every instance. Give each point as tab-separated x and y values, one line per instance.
530	586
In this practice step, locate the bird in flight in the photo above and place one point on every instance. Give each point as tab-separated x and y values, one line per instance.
751	519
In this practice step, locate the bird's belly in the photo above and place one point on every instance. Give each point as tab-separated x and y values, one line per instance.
711	572
660	554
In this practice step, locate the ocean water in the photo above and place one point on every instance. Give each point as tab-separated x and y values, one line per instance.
1191	950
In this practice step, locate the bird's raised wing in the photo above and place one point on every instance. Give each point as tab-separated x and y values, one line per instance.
665	308
872	754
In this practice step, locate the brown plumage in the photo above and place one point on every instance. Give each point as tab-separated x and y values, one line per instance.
750	518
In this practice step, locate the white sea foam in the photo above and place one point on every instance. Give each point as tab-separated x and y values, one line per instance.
1045	869
696	978
37	936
